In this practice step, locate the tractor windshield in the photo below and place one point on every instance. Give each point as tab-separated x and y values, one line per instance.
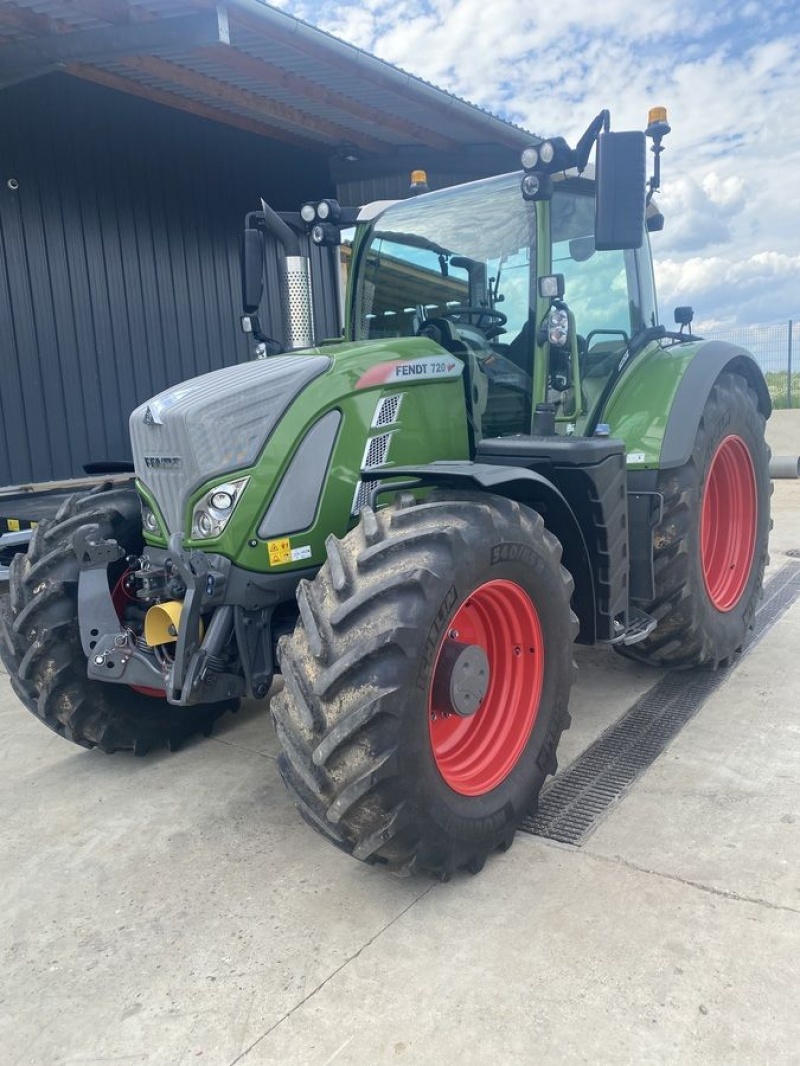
459	266
438	255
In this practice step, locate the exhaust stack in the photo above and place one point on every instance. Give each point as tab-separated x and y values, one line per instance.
294	277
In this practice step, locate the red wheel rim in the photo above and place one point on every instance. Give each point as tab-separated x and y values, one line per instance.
475	754
728	523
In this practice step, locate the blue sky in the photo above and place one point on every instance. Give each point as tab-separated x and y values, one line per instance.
727	72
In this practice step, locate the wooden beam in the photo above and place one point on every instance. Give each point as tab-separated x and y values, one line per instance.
102	42
25	21
317	51
331	133
115	11
275	77
192	107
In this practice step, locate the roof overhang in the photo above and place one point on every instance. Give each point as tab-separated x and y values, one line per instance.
252	66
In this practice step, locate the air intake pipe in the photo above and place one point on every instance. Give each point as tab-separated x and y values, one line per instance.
294	277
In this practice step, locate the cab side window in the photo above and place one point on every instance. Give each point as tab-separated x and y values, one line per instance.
597	284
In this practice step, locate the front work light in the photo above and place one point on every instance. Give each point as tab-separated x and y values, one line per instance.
323	211
326	233
551	286
537	187
328	211
530	157
547	153
549	157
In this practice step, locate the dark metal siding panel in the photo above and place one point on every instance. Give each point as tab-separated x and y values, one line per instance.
119	261
393	187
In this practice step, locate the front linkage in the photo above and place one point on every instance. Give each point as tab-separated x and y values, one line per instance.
204	667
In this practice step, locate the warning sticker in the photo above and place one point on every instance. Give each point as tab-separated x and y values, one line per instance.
13	525
280	552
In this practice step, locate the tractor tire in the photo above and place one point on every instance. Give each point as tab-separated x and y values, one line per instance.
373	751
710	548
40	641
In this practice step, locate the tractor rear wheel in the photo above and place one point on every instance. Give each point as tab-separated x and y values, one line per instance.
710	548
427	682
40	642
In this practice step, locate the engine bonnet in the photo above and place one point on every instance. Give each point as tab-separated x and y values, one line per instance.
213	425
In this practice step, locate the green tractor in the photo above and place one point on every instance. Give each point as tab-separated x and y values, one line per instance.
506	453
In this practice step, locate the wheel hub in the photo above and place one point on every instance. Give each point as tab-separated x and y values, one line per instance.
462	678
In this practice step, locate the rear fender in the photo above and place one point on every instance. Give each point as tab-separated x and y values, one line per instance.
658	402
712	359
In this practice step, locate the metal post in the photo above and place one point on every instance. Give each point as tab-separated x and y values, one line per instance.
789	361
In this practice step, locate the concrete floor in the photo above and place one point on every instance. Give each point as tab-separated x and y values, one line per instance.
175	909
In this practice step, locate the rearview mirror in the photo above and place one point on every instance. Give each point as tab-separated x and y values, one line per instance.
252	269
620	191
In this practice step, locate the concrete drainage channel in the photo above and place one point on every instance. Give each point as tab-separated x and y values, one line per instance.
573	805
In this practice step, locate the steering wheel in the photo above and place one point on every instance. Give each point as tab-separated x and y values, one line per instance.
497	317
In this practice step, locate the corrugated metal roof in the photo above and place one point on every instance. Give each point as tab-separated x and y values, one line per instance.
247	64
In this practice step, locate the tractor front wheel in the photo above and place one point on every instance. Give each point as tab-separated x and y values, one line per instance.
41	648
427	682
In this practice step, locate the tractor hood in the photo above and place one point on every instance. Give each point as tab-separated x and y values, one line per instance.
213	425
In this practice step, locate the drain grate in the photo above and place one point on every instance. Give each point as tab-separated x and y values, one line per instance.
575	802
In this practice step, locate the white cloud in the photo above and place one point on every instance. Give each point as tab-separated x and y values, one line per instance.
726	72
728	291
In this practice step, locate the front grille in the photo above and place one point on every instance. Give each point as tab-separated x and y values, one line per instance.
387	411
375	454
377	450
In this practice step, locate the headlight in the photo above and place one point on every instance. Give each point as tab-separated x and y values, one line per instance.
149	521
213	511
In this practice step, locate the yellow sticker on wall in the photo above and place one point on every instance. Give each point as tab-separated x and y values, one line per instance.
280	552
13	525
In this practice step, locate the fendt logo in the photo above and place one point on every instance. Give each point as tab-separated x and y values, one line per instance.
162	462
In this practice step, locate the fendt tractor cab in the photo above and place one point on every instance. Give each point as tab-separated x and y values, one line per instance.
504	452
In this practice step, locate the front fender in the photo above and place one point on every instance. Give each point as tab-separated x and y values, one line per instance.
534	490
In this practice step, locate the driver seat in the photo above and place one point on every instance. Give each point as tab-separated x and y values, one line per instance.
476	386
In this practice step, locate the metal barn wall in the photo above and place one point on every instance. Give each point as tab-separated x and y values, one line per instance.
119	261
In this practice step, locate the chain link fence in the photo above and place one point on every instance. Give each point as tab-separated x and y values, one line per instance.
777	351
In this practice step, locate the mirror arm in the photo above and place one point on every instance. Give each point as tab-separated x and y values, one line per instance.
583	149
